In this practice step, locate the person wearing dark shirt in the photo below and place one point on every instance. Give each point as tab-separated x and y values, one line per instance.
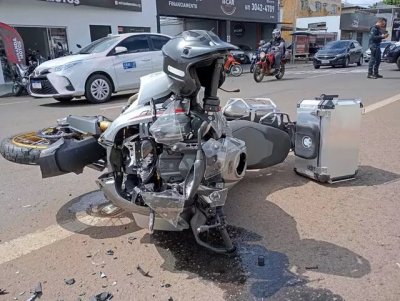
375	38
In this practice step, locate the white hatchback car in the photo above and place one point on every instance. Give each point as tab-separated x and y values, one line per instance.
111	64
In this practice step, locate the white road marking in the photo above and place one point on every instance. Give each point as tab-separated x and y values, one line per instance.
111	108
34	241
382	103
13	103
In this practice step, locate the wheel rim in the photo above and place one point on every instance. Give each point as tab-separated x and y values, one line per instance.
31	140
235	70
100	89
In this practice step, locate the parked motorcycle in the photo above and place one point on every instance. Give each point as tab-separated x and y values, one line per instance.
170	159
21	78
232	66
264	67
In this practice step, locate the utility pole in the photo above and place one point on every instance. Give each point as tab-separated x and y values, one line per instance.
294	30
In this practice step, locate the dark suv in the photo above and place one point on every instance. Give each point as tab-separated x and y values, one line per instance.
339	53
392	54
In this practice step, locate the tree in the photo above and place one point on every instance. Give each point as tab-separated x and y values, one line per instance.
392	2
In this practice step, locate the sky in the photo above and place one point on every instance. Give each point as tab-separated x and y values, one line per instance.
361	2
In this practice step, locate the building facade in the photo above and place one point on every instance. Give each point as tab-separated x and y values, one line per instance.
240	22
55	27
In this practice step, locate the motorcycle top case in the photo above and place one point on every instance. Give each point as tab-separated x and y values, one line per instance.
327	138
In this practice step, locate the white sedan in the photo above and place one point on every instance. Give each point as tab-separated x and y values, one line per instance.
384	45
112	64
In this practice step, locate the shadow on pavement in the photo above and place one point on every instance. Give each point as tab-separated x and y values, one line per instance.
369	176
85	215
287	256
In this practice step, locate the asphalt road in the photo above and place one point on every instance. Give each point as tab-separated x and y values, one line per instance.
320	242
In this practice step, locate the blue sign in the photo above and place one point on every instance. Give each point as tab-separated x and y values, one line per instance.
129	65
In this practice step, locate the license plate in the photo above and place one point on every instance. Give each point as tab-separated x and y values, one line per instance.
36	85
325	61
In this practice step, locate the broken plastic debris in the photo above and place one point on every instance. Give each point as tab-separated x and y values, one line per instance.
114	283
102	275
141	271
3	292
102	297
69	281
37	292
110	252
312	268
261	261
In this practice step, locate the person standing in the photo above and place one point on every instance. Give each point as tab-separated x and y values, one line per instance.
375	38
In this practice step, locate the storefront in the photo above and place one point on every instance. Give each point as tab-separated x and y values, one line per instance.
356	26
240	23
55	27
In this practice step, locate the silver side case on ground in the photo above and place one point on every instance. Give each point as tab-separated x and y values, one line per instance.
328	138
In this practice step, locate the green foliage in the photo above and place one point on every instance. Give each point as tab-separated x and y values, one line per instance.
392	2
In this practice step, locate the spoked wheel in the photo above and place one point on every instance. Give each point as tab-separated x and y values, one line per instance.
258	74
26	148
281	72
236	70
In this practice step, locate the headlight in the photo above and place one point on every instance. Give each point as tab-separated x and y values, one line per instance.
262	55
65	67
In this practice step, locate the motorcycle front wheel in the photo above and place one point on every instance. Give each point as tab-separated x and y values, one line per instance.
17	89
236	70
258	74
281	72
26	148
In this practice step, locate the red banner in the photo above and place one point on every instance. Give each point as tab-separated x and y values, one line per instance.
14	46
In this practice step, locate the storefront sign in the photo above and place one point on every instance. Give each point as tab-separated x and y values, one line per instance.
265	11
357	22
238	30
13	44
133	5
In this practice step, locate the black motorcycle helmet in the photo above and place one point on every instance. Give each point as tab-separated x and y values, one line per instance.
189	60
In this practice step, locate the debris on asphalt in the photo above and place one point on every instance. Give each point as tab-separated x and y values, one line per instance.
26	206
141	271
89	256
3	292
312	268
131	239
37	292
129	274
167	285
102	297
22	293
110	252
170	299
261	261
102	275
114	283
398	264
69	281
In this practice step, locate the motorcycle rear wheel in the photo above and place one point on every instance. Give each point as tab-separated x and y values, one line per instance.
236	70
17	89
258	74
26	148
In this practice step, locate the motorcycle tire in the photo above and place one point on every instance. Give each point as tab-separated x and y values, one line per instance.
281	72
258	74
25	148
236	70
17	89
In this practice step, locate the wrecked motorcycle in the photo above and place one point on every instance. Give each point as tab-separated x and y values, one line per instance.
160	170
172	154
